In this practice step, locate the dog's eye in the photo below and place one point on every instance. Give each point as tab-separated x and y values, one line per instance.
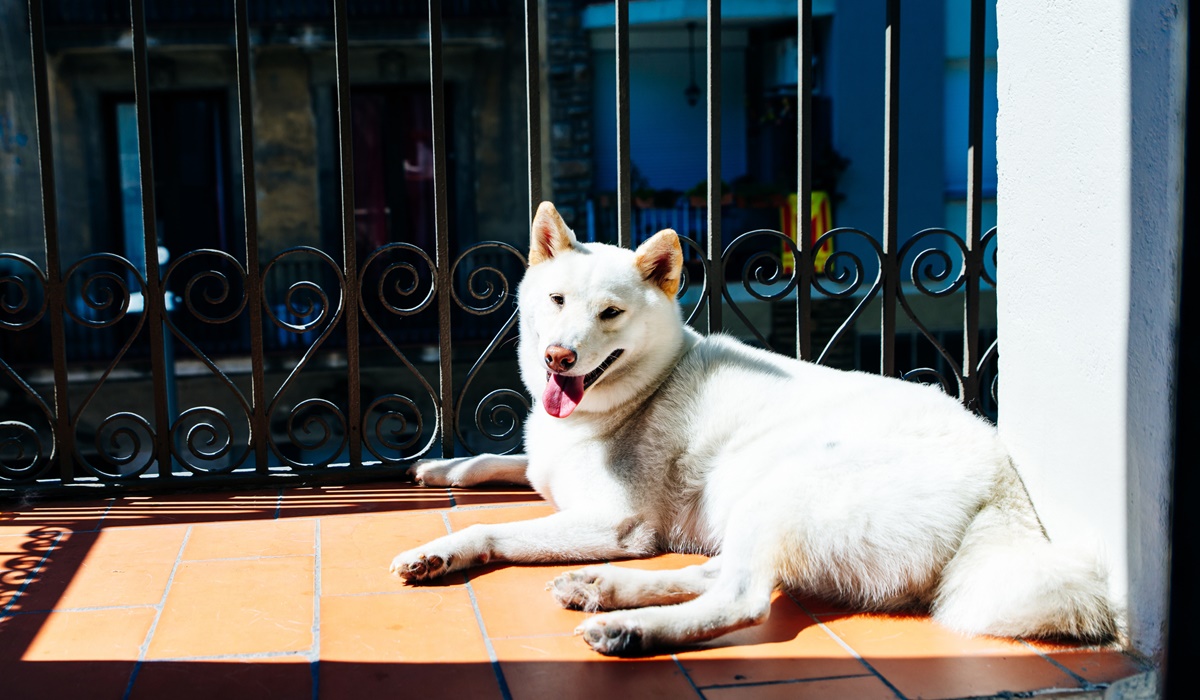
611	312
557	299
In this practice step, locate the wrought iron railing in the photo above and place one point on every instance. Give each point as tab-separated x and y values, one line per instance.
56	433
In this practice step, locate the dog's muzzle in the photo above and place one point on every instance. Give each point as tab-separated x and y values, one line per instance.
564	392
590	378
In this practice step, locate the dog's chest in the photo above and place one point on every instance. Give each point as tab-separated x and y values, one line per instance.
567	467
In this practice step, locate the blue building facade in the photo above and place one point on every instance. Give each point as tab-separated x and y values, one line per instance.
758	147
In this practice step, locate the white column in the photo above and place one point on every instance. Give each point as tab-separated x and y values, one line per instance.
1088	138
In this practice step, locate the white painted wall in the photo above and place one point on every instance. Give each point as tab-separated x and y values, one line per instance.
1088	203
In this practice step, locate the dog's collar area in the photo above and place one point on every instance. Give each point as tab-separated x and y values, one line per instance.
590	378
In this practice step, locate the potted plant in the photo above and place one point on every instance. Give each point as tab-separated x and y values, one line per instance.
643	194
667	198
751	194
698	195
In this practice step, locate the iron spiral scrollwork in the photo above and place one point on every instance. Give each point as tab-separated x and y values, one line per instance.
936	273
309	428
987	372
310	310
385	421
988	377
486	283
764	275
203	437
206	434
123	441
499	419
393	424
989	250
104	294
845	272
685	280
500	415
23	455
940	271
24	452
20	307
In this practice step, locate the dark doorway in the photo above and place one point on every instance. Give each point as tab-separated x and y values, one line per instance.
189	135
192	198
393	166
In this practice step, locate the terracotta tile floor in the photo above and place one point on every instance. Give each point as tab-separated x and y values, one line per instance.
286	593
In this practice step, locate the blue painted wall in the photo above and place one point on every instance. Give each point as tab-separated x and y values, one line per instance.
667	137
958	51
855	74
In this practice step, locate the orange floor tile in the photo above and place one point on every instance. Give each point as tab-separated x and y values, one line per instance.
286	594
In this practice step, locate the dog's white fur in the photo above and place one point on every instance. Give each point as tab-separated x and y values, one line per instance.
876	492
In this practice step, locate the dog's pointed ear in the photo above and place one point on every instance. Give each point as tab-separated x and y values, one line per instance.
660	260
549	235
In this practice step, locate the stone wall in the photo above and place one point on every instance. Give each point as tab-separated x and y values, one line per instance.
569	80
20	190
284	143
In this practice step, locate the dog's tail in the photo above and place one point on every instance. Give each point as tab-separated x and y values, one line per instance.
1007	579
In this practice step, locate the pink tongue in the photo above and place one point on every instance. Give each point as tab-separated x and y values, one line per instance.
562	395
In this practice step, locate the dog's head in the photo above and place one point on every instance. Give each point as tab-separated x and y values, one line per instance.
598	322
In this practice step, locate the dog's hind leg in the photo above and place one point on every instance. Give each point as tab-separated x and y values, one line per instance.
608	587
472	471
739	596
737	599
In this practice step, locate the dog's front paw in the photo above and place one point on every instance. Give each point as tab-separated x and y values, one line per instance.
578	590
415	566
614	634
434	472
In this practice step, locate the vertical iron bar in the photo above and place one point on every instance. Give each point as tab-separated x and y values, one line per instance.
974	257
891	149
804	261
259	427
64	442
442	223
341	48
153	307
533	105
716	277
624	167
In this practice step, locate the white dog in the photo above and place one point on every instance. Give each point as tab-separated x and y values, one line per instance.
648	437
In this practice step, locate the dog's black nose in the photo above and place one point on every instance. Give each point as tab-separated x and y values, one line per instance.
560	359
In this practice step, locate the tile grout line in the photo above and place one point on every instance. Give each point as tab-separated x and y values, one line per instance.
499	506
30	576
302	655
847	647
1084	683
251	558
162	602
87	608
104	516
315	653
547	635
790	681
403	591
487	641
688	677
